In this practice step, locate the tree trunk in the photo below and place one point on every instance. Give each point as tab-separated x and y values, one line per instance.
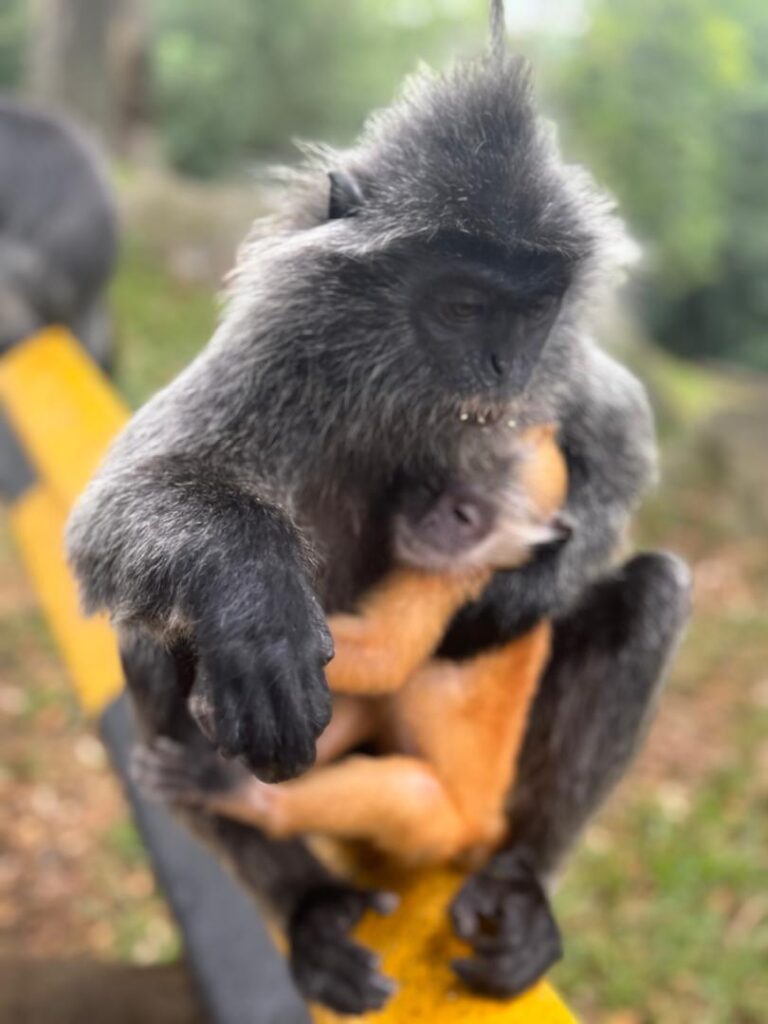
89	58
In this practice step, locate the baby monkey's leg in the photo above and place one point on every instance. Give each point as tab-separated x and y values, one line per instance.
396	802
468	719
169	771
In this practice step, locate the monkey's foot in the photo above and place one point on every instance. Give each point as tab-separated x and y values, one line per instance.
327	965
503	913
169	772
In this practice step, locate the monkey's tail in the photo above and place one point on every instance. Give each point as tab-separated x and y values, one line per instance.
498	30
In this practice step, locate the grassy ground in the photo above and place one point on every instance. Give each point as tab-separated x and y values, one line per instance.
665	908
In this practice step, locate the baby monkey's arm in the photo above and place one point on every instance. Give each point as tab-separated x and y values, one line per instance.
400	623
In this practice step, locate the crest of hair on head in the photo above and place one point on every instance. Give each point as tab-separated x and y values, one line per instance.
498	33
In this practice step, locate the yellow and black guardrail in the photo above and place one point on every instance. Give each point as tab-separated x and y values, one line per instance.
58	414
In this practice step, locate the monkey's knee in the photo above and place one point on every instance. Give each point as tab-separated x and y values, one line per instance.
396	803
426	826
658	587
625	629
649	619
595	701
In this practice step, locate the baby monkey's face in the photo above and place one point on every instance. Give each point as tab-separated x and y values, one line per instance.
487	524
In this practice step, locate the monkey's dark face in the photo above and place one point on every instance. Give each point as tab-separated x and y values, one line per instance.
484	324
423	273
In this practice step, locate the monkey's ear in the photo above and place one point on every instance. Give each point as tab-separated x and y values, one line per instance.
345	197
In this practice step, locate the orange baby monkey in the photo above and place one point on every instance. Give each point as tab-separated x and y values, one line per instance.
446	734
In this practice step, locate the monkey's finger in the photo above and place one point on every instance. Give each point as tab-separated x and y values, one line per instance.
162	789
342	974
170	749
353	906
348	908
162	773
504	976
384	903
351	989
369	993
280	724
353	996
320	707
505	928
465	920
160	761
521	948
202	710
300	696
475	906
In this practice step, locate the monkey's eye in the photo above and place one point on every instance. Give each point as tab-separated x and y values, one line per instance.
462	308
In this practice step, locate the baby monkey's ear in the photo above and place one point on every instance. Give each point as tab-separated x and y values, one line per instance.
345	198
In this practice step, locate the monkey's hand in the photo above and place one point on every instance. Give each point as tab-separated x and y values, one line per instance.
176	543
504	915
260	693
329	967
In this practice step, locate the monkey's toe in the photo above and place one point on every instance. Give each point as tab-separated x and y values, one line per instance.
505	916
162	774
167	771
327	965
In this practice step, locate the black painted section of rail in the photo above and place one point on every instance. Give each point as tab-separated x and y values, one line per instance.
242	977
17	474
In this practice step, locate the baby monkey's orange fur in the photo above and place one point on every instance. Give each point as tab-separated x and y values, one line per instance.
450	732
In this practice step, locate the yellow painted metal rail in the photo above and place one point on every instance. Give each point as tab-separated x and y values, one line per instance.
64	414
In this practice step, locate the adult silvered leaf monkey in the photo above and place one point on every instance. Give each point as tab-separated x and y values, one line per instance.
58	230
419	295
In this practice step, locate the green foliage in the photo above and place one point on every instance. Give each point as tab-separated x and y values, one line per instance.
668	100
162	324
13	24
241	76
647	93
728	316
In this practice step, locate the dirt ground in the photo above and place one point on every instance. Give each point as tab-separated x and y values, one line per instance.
81	928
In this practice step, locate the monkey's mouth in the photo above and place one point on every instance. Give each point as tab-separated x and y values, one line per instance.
481	412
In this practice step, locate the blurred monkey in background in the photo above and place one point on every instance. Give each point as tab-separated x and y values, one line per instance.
58	230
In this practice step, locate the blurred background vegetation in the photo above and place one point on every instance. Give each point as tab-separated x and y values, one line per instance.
666	907
668	99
